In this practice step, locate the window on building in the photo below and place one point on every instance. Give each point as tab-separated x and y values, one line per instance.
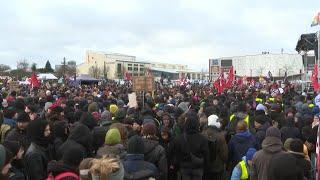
129	64
141	69
135	74
141	65
129	68
135	69
141	74
135	65
119	69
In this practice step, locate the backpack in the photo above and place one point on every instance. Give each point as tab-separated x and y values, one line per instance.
63	175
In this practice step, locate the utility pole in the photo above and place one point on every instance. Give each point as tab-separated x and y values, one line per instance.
64	66
104	69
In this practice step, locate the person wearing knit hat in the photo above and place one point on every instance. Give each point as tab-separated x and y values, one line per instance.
39	133
134	161
106	118
112	144
149	130
286	144
261	124
113	109
271	146
5	159
113	137
243	170
19	133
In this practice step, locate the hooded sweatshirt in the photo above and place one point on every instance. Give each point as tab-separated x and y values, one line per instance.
270	146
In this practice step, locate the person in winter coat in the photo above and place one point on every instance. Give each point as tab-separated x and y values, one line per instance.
60	133
218	149
38	154
5	159
240	143
191	149
68	166
17	170
19	133
261	125
243	170
296	149
8	117
134	165
81	138
289	131
153	151
283	166
112	145
271	146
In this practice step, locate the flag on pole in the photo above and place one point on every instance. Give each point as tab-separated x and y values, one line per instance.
34	82
314	78
220	83
316	20
230	79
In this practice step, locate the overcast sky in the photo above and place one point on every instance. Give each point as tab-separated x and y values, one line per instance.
188	32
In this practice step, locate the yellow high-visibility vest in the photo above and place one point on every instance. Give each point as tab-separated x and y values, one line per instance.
244	171
246	119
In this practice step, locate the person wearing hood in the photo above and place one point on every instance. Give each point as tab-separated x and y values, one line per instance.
153	151
8	115
88	120
80	137
38	154
261	124
289	130
190	149
240	143
218	149
5	159
17	170
19	133
60	133
271	146
134	164
112	145
243	170
68	167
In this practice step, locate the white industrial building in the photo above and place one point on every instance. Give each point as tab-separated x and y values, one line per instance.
261	64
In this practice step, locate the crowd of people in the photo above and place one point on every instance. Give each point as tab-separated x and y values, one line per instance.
182	132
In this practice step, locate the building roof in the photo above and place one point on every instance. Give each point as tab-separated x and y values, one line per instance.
46	76
164	70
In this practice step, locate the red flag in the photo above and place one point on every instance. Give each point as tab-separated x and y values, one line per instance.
34	82
127	76
230	78
314	78
220	83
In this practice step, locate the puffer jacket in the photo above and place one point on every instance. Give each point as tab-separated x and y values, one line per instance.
117	149
156	154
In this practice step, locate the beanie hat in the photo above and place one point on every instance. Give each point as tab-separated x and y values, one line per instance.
250	153
135	145
273	132
261	119
113	109
113	137
106	115
5	103
213	120
12	146
287	143
35	131
149	129
184	106
47	105
23	117
73	156
120	103
296	145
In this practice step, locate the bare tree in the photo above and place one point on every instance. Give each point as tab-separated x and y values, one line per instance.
23	64
94	71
